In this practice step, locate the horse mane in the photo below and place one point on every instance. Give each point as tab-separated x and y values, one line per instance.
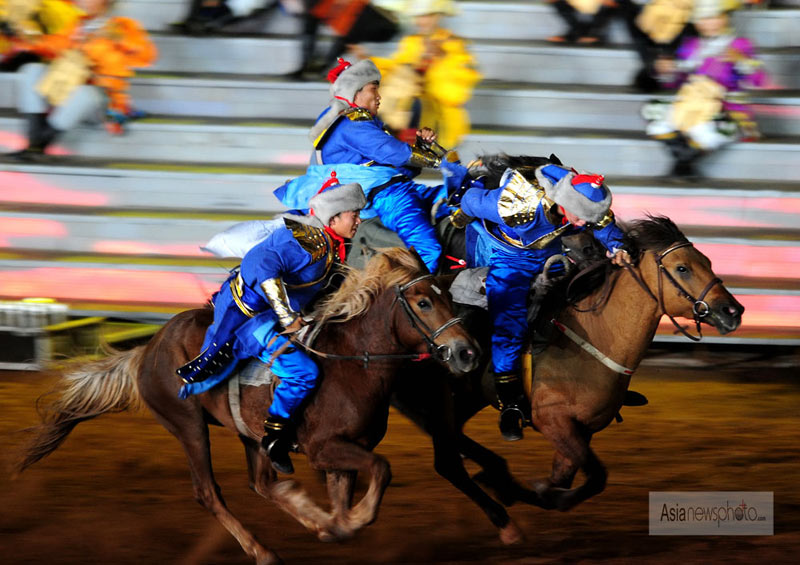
493	166
652	233
360	288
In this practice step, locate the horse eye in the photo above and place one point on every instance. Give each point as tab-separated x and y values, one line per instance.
424	304
682	269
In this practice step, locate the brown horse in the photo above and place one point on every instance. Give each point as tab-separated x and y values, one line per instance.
382	313
580	379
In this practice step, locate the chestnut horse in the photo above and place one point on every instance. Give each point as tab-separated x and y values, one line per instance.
383	312
580	378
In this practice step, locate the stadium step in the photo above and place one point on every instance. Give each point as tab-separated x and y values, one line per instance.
276	143
535	62
523	21
196	190
499	104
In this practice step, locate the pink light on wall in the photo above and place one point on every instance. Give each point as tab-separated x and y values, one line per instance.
130	247
725	211
11	228
25	188
110	285
753	260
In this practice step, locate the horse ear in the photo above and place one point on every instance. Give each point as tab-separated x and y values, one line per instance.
555	160
422	266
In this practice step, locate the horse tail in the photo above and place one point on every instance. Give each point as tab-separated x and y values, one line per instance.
105	386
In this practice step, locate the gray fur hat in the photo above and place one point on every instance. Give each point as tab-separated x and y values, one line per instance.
582	194
334	198
348	79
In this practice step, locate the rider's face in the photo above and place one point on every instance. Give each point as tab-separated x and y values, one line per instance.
345	224
572	218
368	98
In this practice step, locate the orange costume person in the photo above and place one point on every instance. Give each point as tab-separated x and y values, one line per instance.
89	75
119	47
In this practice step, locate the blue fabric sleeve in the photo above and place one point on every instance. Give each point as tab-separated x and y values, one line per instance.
610	236
481	203
275	257
368	139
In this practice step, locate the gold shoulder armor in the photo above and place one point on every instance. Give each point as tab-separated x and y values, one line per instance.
607	219
518	201
358	114
314	240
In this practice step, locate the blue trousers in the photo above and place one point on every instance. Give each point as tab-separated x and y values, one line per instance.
297	371
404	209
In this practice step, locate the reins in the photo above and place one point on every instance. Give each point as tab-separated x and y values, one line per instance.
442	353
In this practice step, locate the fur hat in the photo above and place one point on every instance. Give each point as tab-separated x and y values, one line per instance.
348	79
416	8
582	194
334	198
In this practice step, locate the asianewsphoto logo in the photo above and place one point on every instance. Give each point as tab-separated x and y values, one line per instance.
711	513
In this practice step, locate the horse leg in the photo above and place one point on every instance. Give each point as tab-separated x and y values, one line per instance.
341	485
449	464
336	455
572	453
185	421
259	472
288	495
494	473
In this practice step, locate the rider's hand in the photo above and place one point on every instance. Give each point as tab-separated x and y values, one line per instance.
426	134
294	327
620	258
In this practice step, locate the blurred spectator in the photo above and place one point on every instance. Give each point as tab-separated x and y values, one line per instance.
710	109
209	16
353	22
586	20
34	30
87	75
429	78
657	27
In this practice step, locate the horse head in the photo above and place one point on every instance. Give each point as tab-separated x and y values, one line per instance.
427	322
681	278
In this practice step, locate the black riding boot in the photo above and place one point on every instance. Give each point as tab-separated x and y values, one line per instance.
40	135
512	398
276	442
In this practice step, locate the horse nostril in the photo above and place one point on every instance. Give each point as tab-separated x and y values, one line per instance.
466	355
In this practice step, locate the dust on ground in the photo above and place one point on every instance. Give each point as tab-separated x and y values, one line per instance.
118	490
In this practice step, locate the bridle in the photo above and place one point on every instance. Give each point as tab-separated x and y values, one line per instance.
441	353
700	308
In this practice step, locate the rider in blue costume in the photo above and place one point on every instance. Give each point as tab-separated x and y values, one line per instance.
519	228
260	303
348	132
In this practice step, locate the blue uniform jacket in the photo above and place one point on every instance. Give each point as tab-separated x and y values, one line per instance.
302	257
517	230
356	139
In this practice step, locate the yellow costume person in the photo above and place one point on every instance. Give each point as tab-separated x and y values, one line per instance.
34	30
430	78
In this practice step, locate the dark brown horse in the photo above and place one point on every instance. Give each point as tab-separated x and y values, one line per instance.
387	311
580	379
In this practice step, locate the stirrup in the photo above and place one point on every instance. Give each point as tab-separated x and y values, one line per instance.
278	453
511	422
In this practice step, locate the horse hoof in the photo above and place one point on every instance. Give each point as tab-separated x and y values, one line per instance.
269	558
511	534
333	533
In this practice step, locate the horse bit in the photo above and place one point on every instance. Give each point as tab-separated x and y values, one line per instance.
700	307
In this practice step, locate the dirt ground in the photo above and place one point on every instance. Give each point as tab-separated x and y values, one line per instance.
118	490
